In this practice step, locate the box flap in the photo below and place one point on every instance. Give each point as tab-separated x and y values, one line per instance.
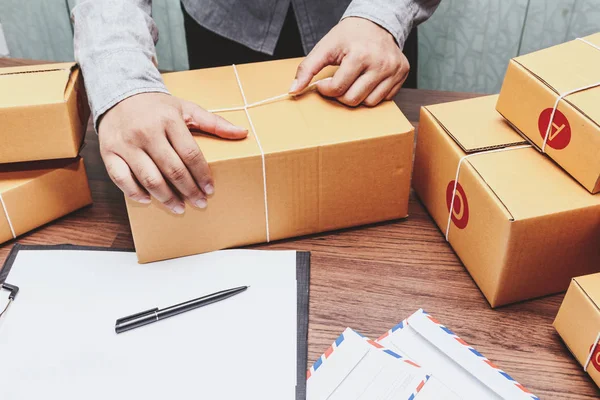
525	182
569	66
591	286
34	84
17	174
22	69
531	185
304	121
310	120
475	125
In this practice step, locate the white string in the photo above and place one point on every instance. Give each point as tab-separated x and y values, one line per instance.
562	96
262	153
265	101
274	98
245	107
588	42
10	225
559	98
589	357
463	158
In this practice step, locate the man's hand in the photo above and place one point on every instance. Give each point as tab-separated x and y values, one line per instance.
372	66
148	149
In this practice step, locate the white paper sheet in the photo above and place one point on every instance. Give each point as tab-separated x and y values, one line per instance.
58	339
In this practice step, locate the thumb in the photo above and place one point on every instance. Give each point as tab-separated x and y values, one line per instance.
196	117
319	58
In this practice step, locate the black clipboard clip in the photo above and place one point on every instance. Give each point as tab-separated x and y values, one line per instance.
13	291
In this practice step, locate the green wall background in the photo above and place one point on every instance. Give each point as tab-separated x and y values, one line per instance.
465	46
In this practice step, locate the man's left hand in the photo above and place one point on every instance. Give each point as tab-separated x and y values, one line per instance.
372	66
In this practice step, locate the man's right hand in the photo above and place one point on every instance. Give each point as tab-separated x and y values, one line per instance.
146	144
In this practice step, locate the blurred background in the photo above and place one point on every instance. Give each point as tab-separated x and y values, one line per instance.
465	46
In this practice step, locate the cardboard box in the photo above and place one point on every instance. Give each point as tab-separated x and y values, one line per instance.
43	112
532	85
578	322
36	193
327	166
521	226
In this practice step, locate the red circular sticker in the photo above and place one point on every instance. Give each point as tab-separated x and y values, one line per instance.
460	212
595	360
560	133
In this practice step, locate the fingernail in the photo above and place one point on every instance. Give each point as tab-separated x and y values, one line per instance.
178	209
240	128
294	86
209	189
144	200
201	203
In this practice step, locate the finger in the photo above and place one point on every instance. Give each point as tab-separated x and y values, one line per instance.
320	57
148	175
397	86
359	91
196	117
394	91
174	170
342	80
380	92
121	175
189	152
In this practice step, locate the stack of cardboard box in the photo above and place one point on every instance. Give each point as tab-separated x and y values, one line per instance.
43	119
512	182
523	222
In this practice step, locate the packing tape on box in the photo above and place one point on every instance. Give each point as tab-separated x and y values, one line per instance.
245	108
460	162
562	96
592	350
10	225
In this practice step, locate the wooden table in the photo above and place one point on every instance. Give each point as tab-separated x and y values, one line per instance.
372	277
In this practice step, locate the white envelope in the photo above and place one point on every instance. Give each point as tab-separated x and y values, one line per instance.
458	370
357	368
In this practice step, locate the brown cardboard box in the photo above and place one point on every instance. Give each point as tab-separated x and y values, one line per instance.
578	321
328	166
36	193
43	112
521	226
531	87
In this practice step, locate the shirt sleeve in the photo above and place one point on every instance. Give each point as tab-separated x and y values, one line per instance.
398	17
114	46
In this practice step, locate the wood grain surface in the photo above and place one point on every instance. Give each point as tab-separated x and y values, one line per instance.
370	278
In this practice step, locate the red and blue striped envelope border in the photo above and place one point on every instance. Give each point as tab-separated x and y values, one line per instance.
477	354
340	340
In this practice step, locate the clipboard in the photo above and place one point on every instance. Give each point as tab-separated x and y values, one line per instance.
302	282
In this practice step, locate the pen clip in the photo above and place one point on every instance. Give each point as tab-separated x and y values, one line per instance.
138	315
12	289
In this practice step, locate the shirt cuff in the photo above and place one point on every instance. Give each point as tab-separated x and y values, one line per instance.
396	19
114	76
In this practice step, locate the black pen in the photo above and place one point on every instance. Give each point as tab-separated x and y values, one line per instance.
154	315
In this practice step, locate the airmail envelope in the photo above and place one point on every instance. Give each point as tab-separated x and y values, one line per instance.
356	368
458	371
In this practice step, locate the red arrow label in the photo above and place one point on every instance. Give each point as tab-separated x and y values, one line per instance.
559	136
